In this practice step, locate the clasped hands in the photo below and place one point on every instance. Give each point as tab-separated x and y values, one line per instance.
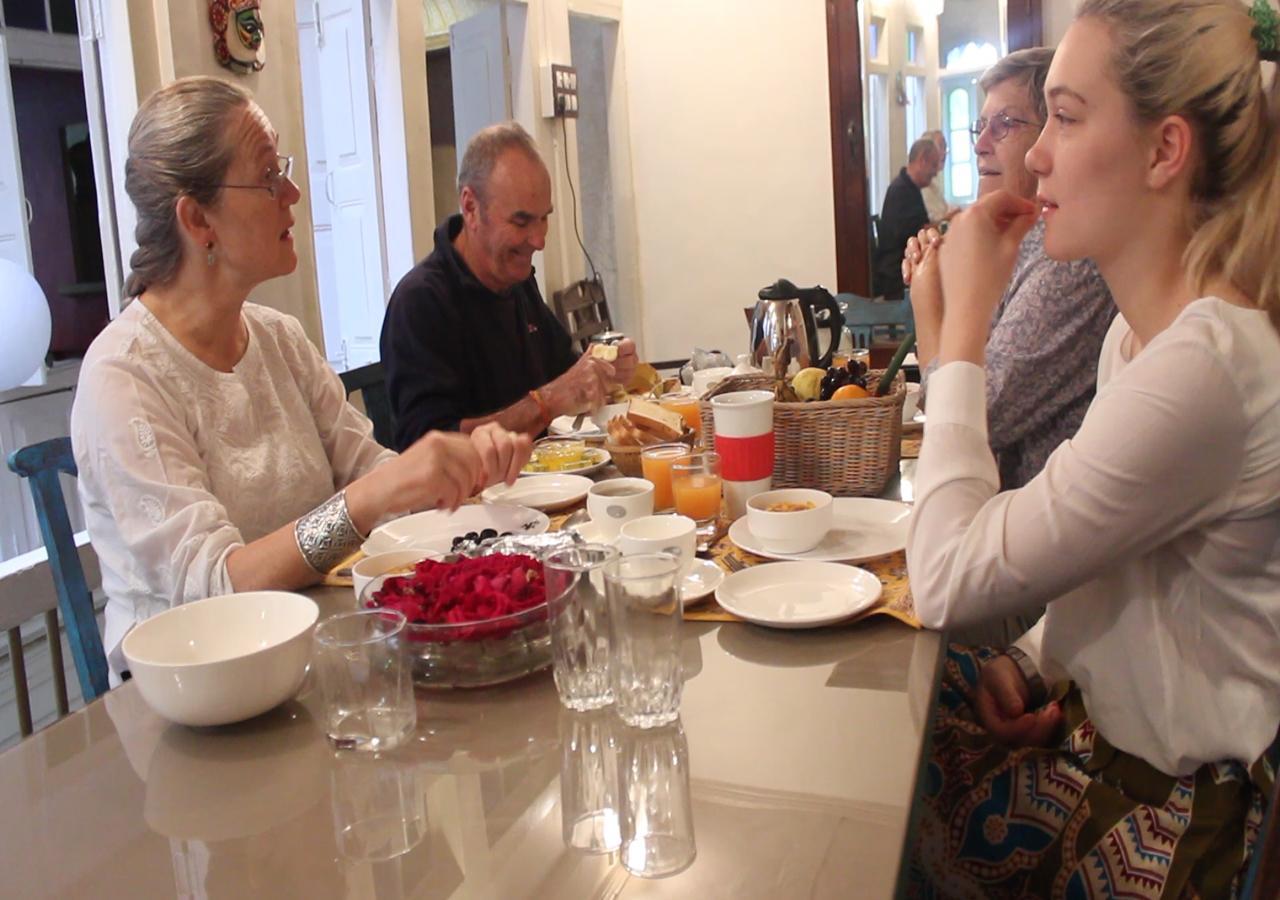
971	273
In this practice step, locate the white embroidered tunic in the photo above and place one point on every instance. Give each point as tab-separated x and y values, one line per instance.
179	464
1152	535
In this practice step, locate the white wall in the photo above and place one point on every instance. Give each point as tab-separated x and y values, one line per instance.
1057	16
731	161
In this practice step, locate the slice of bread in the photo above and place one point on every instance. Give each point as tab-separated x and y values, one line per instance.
653	418
607	352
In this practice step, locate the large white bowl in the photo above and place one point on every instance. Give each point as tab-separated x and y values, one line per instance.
223	659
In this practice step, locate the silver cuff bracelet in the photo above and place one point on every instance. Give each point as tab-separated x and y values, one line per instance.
326	535
1039	691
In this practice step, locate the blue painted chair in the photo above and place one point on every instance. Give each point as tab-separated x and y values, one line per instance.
371	382
40	464
862	317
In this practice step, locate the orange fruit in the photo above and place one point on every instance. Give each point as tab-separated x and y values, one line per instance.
850	392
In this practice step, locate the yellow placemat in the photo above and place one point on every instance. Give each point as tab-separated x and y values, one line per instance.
895	598
911	445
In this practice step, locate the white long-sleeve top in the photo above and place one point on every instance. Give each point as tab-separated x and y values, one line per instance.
180	464
1153	535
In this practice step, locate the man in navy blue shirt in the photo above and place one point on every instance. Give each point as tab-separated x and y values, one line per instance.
467	338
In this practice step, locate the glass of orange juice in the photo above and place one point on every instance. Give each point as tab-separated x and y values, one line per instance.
686	404
696	485
655	465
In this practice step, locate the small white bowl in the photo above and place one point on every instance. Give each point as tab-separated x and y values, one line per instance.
223	659
790	532
371	567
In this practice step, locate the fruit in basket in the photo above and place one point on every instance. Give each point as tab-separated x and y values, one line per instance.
807	383
850	392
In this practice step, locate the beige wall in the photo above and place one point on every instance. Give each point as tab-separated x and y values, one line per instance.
731	161
1057	16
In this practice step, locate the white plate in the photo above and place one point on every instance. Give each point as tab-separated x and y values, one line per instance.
701	582
798	594
592	533
594	459
435	530
863	528
545	492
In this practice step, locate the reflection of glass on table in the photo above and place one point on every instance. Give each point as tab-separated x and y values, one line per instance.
589	796
657	813
379	806
697	489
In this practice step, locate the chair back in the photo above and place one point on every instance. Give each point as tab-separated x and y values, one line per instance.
371	382
862	317
40	464
583	311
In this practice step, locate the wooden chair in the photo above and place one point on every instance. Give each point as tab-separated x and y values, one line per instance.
40	464
371	382
863	316
583	311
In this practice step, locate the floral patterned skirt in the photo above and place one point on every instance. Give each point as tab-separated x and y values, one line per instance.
1078	820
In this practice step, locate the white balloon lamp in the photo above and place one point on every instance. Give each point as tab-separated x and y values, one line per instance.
25	326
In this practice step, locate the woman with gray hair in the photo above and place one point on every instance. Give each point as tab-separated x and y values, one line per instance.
1047	331
215	446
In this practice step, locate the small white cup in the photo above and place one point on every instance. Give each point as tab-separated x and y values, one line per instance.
371	567
797	531
677	535
613	503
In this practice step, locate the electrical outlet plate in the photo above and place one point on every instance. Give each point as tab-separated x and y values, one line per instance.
559	91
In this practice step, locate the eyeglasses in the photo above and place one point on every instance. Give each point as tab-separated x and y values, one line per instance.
1000	126
275	177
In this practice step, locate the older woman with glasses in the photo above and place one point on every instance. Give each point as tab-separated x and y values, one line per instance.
1042	352
215	446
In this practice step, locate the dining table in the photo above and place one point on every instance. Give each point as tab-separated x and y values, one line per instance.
802	762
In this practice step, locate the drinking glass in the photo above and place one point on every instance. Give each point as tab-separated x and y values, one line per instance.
366	678
644	624
579	614
655	464
696	485
589	794
657	812
686	404
379	806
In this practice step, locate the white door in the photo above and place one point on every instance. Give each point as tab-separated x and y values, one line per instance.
15	245
350	180
318	178
476	56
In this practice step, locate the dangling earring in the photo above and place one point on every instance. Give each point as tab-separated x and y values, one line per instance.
212	257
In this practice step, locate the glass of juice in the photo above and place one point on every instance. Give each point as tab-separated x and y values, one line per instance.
655	465
686	404
696	487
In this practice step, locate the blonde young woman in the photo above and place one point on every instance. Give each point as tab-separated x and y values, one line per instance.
215	447
1120	747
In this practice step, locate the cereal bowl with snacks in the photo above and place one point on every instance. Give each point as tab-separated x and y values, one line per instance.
790	521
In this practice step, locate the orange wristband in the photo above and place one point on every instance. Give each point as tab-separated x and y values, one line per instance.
543	410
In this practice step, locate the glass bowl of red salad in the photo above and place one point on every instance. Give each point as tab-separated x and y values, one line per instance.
472	622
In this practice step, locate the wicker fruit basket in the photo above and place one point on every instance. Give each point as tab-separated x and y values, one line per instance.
848	448
627	457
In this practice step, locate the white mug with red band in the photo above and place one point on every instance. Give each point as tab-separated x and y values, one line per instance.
744	440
